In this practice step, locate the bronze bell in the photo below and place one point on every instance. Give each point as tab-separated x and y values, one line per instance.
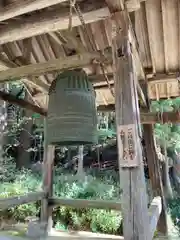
72	113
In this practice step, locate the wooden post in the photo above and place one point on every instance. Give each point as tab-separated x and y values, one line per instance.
48	162
154	167
80	170
155	175
132	179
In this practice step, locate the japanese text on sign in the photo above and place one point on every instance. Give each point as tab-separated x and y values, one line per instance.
128	150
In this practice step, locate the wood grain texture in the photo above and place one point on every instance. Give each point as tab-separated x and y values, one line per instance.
18	8
132	180
51	21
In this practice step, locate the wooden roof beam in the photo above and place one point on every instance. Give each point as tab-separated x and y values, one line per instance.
51	20
60	64
18	8
22	103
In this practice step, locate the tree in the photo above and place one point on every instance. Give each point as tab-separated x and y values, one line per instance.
168	136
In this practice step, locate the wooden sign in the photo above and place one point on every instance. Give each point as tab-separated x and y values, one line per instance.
128	145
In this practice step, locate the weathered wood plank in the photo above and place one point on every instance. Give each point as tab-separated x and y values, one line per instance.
132	180
6	203
59	64
18	8
51	20
84	203
154	213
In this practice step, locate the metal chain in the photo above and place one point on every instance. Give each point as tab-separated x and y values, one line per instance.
81	18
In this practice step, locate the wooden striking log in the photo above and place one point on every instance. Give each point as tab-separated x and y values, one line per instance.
60	64
84	203
132	180
154	213
21	7
6	203
51	20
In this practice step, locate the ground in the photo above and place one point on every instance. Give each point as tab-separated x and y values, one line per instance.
173	235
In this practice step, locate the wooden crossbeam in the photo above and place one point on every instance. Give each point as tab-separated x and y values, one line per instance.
6	203
9	64
21	7
22	103
146	118
59	64
84	203
51	20
162	77
150	117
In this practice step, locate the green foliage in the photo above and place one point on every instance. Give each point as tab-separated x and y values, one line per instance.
67	186
7	170
174	209
168	134
104	134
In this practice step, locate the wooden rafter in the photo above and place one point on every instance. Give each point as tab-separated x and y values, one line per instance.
60	64
51	20
18	8
22	103
9	65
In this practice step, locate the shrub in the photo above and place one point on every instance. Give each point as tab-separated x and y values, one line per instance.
174	209
69	186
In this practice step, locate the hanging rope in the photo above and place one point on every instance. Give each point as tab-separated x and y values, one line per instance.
75	6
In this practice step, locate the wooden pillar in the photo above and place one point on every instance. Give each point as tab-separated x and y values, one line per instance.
48	163
132	179
80	169
154	166
155	175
